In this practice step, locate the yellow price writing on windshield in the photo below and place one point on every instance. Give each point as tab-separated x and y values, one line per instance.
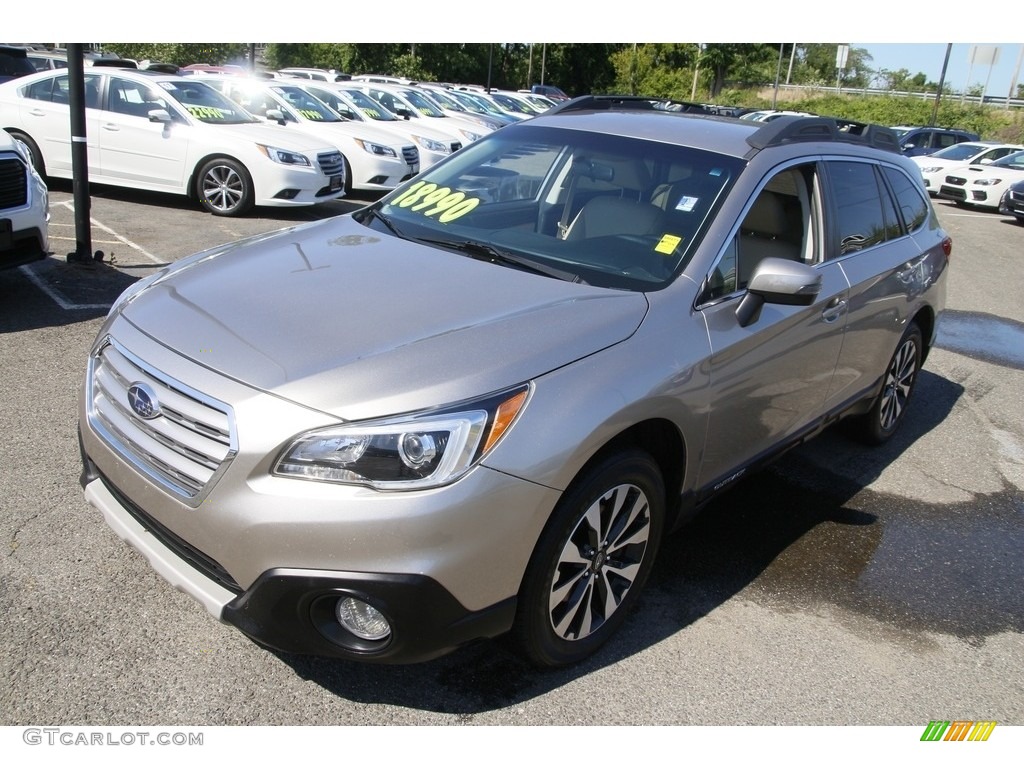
210	112
432	200
311	114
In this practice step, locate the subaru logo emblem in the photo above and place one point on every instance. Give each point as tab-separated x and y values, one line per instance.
142	399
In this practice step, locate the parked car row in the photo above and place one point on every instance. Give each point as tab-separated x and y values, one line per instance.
167	133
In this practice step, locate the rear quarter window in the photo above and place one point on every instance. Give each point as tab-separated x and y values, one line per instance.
909	199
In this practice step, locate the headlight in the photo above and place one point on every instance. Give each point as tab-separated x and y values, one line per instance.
376	149
470	136
284	156
421	450
431	145
933	169
988	182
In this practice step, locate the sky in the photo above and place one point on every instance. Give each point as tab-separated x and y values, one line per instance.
928	58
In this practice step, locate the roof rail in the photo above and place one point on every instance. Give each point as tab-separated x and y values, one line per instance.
791	129
614	101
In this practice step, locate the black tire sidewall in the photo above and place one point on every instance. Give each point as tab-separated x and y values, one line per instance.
532	631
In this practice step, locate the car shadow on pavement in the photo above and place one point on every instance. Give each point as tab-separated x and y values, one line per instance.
166	200
52	292
823	525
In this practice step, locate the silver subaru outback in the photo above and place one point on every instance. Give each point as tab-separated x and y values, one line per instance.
476	406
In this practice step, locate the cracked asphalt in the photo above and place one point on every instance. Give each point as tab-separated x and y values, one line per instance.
842	586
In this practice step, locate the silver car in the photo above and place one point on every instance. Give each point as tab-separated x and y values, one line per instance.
477	406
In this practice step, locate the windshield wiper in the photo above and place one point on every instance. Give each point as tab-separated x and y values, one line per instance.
373	212
487	252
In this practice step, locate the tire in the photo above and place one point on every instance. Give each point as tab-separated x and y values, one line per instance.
592	561
33	149
887	412
224	187
348	176
1020	220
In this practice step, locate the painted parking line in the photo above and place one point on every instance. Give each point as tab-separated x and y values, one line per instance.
56	233
118	238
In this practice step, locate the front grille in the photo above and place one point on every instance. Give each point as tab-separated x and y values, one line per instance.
182	447
202	562
13	183
331	163
954	192
411	155
957	180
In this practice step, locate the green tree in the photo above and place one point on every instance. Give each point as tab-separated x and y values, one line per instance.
181	54
817	66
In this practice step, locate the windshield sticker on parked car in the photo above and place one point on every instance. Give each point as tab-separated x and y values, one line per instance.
311	114
371	113
205	112
687	203
430	200
668	244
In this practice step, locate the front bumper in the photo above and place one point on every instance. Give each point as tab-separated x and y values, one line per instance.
272	555
292	609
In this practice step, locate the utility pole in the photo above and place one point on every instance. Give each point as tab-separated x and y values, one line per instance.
79	159
942	79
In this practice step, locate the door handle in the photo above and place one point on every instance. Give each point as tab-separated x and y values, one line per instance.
834	310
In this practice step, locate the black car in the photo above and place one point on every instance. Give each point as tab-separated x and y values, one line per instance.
920	140
1012	202
14	63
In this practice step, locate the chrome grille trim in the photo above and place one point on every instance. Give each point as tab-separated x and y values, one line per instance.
184	449
411	155
331	163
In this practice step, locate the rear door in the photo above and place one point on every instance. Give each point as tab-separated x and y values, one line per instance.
46	117
869	239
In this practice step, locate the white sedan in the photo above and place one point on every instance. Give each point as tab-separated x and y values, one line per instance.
982	185
164	133
375	159
934	167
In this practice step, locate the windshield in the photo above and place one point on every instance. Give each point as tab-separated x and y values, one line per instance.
305	104
959	152
1014	161
610	210
422	104
372	109
205	103
447	101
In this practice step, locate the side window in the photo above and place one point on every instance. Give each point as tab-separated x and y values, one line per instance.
911	201
943	140
917	140
130	98
780	223
995	154
864	215
41	90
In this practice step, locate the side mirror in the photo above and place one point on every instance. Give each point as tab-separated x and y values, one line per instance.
276	115
778	281
159	116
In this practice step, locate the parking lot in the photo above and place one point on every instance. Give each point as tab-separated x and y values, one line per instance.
842	586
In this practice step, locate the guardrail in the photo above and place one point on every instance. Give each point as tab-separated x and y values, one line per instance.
995	101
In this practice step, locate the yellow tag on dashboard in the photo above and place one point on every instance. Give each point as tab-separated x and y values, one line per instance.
668	244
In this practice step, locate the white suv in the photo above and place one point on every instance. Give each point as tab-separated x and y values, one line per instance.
24	205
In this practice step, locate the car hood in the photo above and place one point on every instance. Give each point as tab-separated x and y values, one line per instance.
275	135
332	133
341	318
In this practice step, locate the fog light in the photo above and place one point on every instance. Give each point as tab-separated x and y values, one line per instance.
361	619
